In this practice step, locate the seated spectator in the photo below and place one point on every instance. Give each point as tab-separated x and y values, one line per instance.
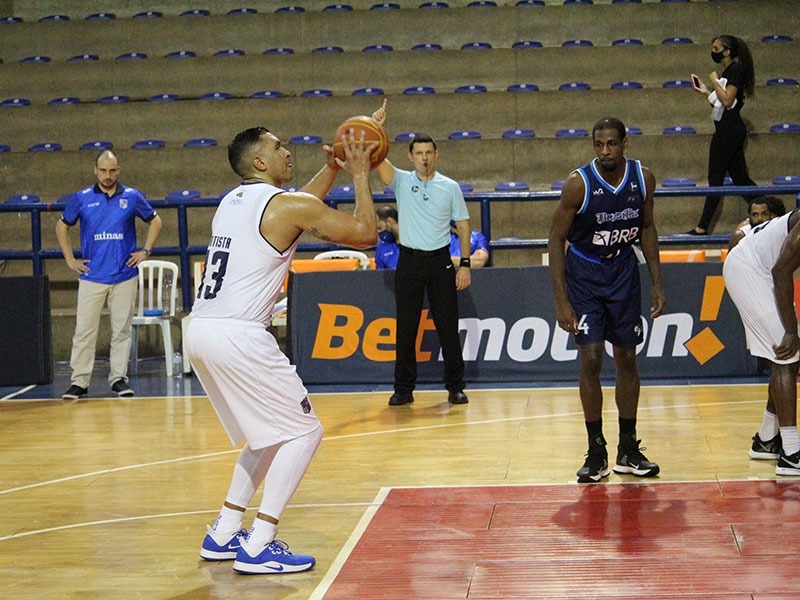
388	249
478	247
759	210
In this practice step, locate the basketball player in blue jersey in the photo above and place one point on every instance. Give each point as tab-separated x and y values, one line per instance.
605	207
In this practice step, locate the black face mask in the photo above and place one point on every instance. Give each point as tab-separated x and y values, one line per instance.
717	56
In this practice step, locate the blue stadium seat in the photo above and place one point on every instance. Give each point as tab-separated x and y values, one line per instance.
633	131
243	11
200	143
5	148
557	185
338	8
427	47
115	99
101	16
385	6
97	145
577	44
785	128
677	83
306	139
182	195
35	59
45	147
674	1
377	48
465	187
679	130
290	9
64	100
22	199
677	40
164	98
626	1
578	2
148	144
465	134
626	85
326	49
470	89
342	190
11	19
477	46
574	86
530	3
83	58
434	5
672	182
523	87
148	14
518	133
782	81
572	132
420	89
316	93
786	180
215	96
196	12
776	38
265	94
15	102
279	50
526	44
132	56
627	42
406	136
368	91
52	18
181	54
482	4
512	186
229	52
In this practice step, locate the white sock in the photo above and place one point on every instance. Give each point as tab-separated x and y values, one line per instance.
769	426
262	533
229	520
790	439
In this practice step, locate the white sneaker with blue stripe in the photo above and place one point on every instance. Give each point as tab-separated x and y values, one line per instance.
271	558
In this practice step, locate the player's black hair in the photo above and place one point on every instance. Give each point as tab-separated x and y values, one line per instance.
240	145
610	123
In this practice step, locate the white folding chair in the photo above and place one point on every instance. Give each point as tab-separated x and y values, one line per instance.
363	259
158	291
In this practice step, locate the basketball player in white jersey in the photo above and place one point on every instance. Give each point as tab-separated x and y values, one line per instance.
758	275
255	391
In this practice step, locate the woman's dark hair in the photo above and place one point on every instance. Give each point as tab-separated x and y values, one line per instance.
741	54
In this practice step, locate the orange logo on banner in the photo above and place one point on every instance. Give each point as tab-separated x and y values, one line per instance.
705	345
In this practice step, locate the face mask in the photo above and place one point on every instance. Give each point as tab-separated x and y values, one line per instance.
387	237
717	56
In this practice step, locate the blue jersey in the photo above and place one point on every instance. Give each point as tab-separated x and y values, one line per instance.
476	240
386	255
108	230
610	218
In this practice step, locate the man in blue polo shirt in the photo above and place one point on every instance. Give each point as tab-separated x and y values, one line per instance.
108	274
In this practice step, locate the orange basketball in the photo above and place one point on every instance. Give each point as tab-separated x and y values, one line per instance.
372	133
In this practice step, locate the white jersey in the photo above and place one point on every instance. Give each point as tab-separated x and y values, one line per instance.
243	274
761	246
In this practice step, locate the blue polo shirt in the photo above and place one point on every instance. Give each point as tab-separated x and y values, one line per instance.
476	240
386	255
108	230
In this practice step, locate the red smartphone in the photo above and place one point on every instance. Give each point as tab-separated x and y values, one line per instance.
695	81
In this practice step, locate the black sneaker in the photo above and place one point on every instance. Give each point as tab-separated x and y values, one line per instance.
769	450
595	467
457	397
74	392
399	399
630	460
121	388
788	465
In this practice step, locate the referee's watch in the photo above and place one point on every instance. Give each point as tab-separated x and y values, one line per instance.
464	263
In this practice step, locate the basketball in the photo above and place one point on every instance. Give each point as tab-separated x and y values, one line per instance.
372	133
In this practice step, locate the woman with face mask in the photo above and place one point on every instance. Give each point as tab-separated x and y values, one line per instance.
726	95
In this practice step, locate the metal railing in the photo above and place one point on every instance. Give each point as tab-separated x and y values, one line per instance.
37	255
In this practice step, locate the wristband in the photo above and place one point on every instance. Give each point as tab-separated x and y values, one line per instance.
146	251
464	263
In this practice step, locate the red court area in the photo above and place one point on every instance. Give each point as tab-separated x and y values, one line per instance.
730	540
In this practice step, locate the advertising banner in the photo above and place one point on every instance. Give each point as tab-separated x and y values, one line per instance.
342	328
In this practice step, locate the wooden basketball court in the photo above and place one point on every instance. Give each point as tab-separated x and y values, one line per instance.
109	498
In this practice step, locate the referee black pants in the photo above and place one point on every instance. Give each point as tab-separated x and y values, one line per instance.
433	272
